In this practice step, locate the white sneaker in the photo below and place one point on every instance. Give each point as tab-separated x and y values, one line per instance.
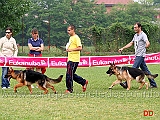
9	87
4	88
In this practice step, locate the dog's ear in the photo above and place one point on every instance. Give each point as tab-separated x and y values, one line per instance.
113	64
10	69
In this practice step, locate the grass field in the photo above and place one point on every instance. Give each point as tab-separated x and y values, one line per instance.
97	103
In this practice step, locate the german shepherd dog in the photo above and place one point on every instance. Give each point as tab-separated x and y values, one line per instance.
28	77
128	74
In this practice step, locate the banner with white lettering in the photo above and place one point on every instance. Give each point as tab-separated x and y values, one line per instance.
27	61
62	62
106	60
149	58
85	61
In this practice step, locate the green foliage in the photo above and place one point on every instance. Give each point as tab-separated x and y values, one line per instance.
111	38
53	17
11	12
105	31
119	29
152	30
117	35
131	13
97	37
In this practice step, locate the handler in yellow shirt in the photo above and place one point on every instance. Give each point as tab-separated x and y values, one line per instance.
73	48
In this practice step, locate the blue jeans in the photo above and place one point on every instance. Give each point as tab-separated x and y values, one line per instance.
5	82
139	62
70	76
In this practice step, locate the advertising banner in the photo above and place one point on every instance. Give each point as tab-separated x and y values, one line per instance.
85	61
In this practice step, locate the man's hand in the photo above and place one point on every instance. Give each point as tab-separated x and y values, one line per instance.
120	50
69	50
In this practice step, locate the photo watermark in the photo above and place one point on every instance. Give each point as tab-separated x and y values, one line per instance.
94	94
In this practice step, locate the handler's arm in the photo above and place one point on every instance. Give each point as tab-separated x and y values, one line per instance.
127	46
40	48
147	44
31	47
79	48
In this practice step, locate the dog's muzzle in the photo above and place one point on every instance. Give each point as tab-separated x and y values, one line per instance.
109	73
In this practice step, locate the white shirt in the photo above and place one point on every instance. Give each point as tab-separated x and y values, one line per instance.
8	47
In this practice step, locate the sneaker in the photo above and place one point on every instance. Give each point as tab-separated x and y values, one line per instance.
8	87
4	88
67	91
123	85
153	86
84	87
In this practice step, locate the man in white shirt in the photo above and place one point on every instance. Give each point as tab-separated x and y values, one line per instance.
140	42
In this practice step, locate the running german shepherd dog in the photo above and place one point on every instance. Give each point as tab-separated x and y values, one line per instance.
28	77
128	74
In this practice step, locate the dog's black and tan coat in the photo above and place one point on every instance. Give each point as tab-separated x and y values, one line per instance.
28	77
128	74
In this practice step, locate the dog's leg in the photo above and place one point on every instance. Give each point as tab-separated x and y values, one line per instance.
129	84
50	86
114	83
142	81
146	83
17	86
142	84
30	88
43	88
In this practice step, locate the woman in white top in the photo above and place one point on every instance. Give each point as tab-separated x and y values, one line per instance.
8	48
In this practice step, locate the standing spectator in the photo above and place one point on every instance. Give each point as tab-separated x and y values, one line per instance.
73	48
36	46
140	41
8	48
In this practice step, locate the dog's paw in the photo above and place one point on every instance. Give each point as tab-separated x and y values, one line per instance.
110	87
139	88
15	91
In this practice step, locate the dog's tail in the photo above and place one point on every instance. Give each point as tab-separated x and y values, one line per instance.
54	81
150	75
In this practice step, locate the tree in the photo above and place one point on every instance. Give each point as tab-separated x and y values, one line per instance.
11	12
53	16
132	13
119	29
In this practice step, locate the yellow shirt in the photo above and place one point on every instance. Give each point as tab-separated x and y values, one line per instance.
74	42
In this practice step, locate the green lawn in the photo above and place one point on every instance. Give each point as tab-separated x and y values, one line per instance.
97	103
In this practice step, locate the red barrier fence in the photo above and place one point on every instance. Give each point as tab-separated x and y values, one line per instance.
85	61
